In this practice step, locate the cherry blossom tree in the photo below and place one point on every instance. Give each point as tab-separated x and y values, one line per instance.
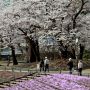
63	16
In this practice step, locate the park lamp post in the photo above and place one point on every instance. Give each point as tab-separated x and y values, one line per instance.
77	51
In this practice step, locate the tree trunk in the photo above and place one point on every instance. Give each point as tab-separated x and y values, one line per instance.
81	51
77	14
31	51
73	54
37	51
14	56
33	48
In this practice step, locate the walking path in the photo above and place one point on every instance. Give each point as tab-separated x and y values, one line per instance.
86	71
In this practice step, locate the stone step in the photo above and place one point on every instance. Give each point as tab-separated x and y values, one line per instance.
3	86
19	80
24	78
30	76
12	84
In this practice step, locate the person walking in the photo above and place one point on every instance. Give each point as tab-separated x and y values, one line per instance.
41	65
80	66
70	65
46	64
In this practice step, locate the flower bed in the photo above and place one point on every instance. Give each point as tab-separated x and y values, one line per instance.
54	82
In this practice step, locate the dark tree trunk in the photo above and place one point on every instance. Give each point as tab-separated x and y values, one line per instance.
33	51
28	50
14	56
33	48
77	14
27	57
35	55
37	51
73	54
81	51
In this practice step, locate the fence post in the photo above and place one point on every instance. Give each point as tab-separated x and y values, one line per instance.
5	68
28	70
12	69
60	70
88	74
9	83
20	69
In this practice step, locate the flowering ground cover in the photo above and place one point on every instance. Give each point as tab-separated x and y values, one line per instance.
54	82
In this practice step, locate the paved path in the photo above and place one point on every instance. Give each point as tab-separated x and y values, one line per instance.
87	71
84	73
